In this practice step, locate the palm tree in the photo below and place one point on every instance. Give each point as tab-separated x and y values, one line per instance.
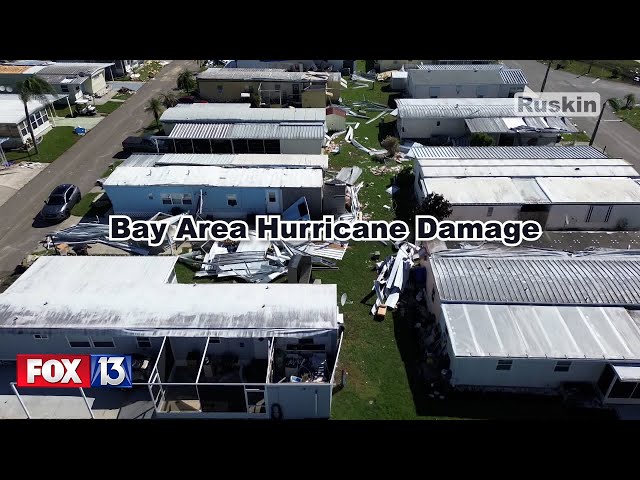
187	81
155	106
614	103
629	101
33	88
169	100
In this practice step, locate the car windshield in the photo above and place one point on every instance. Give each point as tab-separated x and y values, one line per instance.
56	200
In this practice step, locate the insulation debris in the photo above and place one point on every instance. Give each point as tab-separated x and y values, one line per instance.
393	274
383	169
359	78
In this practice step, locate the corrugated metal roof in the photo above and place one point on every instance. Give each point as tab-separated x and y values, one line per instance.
246	130
605	280
73	68
235	113
262	74
129	296
536	122
486	191
12	108
216	176
463	108
513	76
505	169
542	332
222	160
507	152
454	67
590	190
513	124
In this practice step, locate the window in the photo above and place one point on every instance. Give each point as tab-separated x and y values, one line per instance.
186	199
438	123
79	342
220	88
490	212
24	131
214	340
504	364
241	344
176	199
103	342
599	213
232	200
143	342
64	88
272	197
277	86
40	336
562	367
166	199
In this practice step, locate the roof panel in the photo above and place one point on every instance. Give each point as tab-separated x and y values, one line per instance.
590	189
519	152
228	160
238	112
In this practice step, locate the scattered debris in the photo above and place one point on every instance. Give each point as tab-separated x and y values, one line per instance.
392	189
383	169
349	175
359	78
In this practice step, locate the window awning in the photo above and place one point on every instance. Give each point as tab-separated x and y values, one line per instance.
627	373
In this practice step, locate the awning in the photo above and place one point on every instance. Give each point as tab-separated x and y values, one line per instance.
627	373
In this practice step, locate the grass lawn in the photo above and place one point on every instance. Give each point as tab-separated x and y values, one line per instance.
149	68
53	144
601	68
122	96
108	107
151	129
86	207
632	117
577	137
110	170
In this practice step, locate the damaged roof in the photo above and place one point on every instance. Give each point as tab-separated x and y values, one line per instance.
132	296
493	152
262	74
228	160
259	131
598	279
464	108
235	113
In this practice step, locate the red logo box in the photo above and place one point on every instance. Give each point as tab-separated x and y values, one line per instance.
53	371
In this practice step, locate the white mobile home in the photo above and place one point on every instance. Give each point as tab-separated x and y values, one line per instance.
222	193
572	188
212	350
456	119
13	122
231	161
236	128
536	323
464	81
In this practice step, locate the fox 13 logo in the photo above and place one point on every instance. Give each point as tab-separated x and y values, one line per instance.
111	371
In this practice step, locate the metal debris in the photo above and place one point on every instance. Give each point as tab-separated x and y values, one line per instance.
349	175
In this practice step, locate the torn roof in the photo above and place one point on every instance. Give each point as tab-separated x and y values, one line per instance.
130	295
236	113
466	108
262	74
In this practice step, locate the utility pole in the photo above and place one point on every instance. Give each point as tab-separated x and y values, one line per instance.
590	65
595	130
544	82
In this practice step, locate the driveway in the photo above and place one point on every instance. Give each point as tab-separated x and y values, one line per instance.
620	139
82	164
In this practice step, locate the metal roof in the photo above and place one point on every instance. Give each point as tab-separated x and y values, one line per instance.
453	67
542	332
506	152
513	76
12	108
73	68
216	176
258	131
222	160
463	108
234	113
516	124
606	280
590	190
487	191
131	296
262	74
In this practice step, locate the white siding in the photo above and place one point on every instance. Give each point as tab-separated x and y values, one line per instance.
574	217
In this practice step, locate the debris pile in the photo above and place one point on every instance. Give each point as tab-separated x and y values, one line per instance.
393	274
383	169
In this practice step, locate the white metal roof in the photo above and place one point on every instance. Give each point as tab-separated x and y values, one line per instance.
608	167
464	108
12	108
129	295
590	190
526	331
517	152
254	130
222	160
234	113
627	373
489	190
461	66
215	176
262	74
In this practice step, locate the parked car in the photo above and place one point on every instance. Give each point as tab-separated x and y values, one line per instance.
60	202
139	144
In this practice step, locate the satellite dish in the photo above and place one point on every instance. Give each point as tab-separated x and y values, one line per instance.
2	88
9	89
343	299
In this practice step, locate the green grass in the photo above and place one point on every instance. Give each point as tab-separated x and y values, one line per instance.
62	111
577	137
86	206
150	67
600	68
110	170
632	117
108	107
122	96
53	144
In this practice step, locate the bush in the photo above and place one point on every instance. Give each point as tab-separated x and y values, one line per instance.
481	140
615	73
435	205
391	145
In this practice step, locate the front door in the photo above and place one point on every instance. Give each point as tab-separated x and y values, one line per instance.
273	201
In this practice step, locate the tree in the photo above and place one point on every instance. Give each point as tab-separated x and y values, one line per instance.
187	81
615	104
169	100
615	72
481	140
33	88
435	205
155	106
391	145
629	101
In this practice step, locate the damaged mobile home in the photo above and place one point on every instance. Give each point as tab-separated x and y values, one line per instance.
237	128
562	188
538	322
211	351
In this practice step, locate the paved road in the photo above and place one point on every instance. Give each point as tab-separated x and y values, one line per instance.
82	164
620	139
